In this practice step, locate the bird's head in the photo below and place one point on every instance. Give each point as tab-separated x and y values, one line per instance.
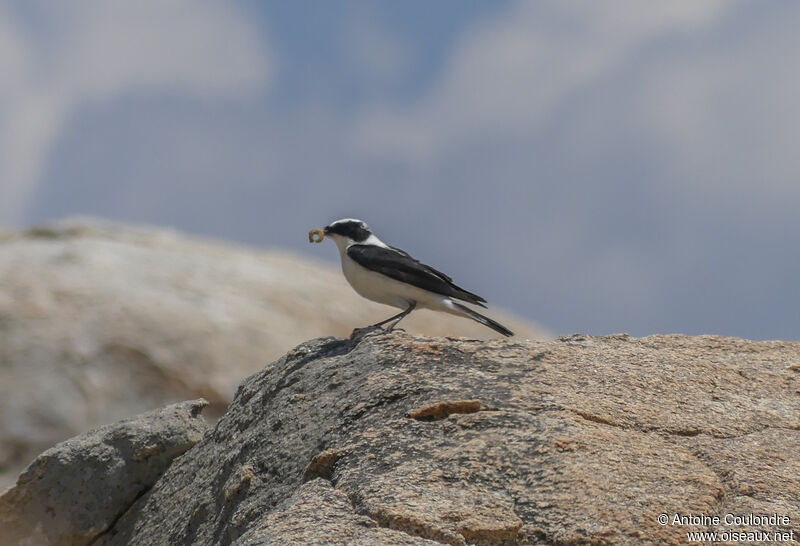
347	230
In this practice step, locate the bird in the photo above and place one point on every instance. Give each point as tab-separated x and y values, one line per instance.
390	276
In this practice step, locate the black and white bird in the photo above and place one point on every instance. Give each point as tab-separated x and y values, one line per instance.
390	276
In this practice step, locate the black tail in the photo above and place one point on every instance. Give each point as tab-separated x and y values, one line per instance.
486	321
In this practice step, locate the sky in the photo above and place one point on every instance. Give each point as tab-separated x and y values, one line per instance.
597	167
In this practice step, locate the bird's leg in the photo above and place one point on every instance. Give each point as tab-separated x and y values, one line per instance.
401	316
359	333
398	316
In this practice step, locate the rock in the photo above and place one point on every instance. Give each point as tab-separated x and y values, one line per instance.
411	440
319	513
75	491
99	321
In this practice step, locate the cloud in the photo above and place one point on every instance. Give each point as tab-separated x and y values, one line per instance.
57	57
726	109
721	100
381	57
510	74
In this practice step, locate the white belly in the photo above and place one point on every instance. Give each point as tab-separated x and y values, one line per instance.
382	289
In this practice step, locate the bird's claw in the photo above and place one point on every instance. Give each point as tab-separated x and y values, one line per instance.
360	333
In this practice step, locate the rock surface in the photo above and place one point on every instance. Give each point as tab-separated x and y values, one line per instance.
100	321
76	490
410	440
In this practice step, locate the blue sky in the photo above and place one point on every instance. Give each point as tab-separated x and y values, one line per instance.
595	166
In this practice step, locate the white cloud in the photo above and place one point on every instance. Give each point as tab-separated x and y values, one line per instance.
75	52
381	56
728	115
510	74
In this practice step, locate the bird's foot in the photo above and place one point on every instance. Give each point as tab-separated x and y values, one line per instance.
360	333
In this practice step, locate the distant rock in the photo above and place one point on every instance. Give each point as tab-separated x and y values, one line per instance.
397	439
99	321
76	490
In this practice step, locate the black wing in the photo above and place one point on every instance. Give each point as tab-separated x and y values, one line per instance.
436	271
398	265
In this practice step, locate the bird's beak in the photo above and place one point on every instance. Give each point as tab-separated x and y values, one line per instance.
326	230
